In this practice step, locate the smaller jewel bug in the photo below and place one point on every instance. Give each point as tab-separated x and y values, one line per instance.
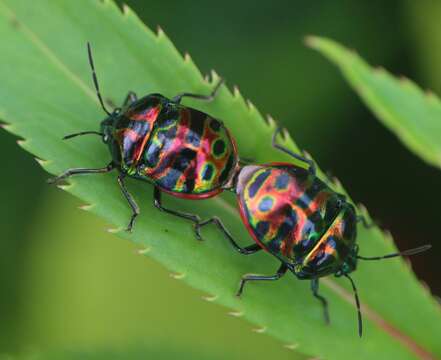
299	219
180	150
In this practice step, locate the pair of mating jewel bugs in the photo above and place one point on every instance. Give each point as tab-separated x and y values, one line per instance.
287	209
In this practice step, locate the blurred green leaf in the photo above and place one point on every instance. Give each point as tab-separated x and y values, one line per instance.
50	94
413	115
139	352
424	33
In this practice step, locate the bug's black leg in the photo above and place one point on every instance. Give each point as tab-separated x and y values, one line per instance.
158	204
178	98
133	205
357	303
366	224
80	171
248	250
314	289
280	272
289	152
130	98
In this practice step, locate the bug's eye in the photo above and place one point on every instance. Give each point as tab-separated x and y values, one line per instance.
117	111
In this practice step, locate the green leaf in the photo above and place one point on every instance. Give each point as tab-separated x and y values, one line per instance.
46	92
411	114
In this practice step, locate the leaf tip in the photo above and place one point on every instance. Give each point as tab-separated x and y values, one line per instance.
336	182
214	76
24	144
306	154
270	121
292	346
379	70
187	57
388	236
235	313
159	32
362	208
42	163
426	287
259	330
404	81
236	92
408	263
210	298
114	230
143	251
6	126
65	187
311	41
86	207
177	275
251	106
126	10
285	135
430	94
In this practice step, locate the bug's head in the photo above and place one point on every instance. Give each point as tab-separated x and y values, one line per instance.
107	126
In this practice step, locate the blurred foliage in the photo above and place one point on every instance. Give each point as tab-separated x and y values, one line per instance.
413	115
260	48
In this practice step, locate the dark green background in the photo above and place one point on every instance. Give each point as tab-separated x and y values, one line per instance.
258	46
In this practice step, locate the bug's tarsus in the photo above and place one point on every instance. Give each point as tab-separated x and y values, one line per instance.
409	252
277	146
248	250
177	99
82	133
133	205
357	302
280	272
324	302
80	171
95	79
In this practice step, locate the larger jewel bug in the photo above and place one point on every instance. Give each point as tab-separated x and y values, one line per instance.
300	220
180	150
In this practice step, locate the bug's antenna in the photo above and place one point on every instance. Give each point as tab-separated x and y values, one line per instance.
82	133
403	253
357	302
95	80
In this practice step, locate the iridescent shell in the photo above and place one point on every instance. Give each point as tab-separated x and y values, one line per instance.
181	150
296	217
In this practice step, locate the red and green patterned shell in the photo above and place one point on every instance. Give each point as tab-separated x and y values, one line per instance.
295	216
181	150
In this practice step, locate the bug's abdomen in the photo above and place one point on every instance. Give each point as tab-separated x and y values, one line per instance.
189	154
284	208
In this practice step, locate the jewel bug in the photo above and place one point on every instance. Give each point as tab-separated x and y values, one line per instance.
180	150
296	217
